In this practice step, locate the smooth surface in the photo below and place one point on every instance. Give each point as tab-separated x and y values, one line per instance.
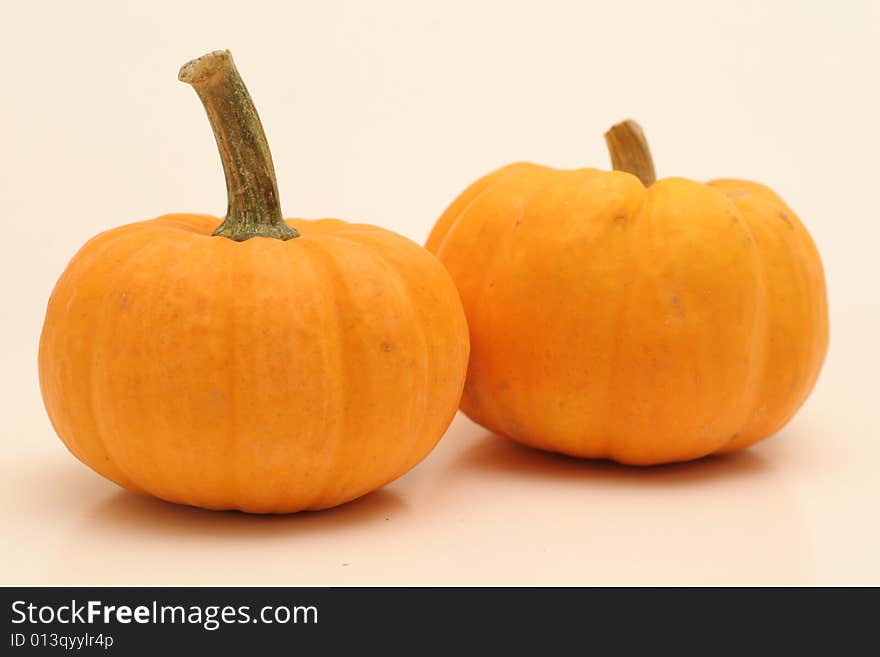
383	113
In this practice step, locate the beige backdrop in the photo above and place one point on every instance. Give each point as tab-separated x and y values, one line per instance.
382	112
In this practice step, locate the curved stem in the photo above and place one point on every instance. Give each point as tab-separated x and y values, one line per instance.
629	151
253	208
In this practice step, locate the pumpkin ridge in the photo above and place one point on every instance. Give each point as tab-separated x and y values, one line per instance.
109	245
232	260
100	328
219	262
668	349
417	419
101	242
174	271
323	260
608	449
760	359
503	235
510	417
330	352
288	268
767	201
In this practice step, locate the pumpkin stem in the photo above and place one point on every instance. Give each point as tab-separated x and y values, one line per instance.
253	208
629	151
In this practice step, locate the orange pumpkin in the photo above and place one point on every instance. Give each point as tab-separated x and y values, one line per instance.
258	366
616	317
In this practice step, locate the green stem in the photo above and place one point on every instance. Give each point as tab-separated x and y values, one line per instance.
253	208
629	151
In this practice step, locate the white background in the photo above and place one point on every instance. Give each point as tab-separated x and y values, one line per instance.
382	112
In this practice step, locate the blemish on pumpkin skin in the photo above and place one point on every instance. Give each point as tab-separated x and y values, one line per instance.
123	300
759	412
784	216
217	398
386	346
676	306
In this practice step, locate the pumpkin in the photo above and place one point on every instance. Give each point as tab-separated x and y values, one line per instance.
263	365
612	316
